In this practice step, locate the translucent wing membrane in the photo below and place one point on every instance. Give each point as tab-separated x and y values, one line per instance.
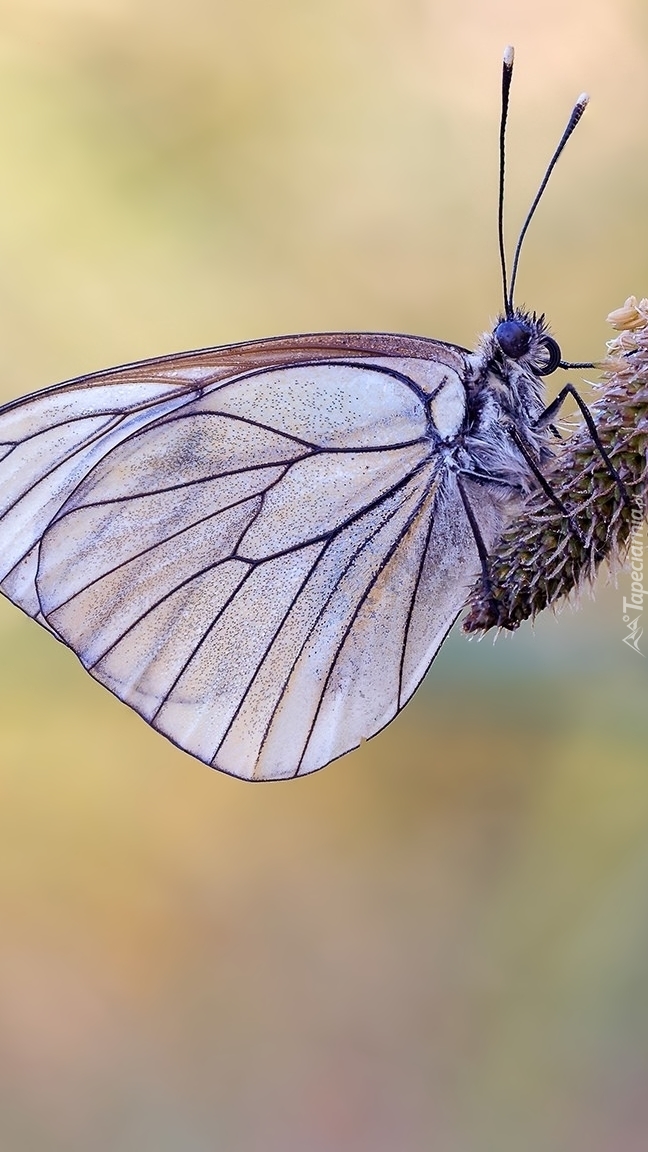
249	546
50	442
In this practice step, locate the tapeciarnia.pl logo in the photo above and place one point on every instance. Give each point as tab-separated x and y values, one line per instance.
634	606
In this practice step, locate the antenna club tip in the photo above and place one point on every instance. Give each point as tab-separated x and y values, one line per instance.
583	100
509	56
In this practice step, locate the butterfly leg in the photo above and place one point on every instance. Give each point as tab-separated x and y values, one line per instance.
479	539
545	418
485	478
544	483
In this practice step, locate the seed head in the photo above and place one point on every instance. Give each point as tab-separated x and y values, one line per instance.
544	556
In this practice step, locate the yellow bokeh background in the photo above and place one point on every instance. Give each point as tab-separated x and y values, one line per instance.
441	942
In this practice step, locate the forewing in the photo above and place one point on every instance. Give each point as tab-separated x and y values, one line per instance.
49	441
48	444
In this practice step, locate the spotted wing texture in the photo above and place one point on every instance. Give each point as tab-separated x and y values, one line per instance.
250	546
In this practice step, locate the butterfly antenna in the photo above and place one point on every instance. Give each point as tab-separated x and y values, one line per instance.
507	76
579	108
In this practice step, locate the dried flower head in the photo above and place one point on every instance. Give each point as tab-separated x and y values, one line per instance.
545	555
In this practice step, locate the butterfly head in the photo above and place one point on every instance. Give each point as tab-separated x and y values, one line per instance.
523	337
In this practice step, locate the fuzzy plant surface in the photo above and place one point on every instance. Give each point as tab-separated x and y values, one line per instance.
545	555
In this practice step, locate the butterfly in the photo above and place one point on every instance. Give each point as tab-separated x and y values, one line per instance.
260	548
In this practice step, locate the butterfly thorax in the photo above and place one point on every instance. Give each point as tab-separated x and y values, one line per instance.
505	398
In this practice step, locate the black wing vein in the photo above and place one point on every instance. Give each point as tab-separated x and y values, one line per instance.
391	552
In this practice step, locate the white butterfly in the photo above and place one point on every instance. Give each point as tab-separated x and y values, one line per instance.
260	548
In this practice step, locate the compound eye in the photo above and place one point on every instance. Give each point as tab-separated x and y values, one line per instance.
552	358
513	338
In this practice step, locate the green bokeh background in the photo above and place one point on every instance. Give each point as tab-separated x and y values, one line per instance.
439	944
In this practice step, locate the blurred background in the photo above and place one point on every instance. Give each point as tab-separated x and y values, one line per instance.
441	941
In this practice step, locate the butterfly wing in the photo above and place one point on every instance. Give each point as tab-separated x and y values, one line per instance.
253	547
48	443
